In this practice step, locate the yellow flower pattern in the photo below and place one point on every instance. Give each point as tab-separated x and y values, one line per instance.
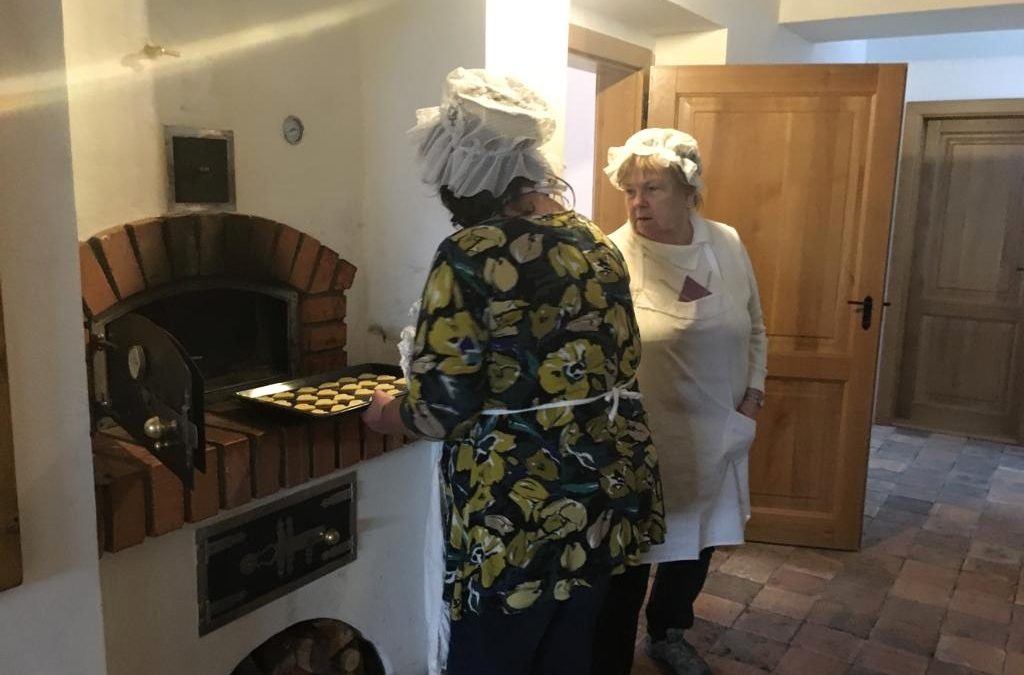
526	315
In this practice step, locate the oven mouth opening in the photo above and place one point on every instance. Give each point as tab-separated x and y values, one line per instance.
239	334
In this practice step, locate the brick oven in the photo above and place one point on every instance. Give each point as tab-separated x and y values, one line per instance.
251	301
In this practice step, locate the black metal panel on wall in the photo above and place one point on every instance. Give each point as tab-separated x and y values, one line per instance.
247	561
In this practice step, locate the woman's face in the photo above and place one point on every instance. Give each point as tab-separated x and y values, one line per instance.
656	202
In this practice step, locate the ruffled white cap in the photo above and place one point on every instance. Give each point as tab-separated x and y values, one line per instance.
486	132
670	147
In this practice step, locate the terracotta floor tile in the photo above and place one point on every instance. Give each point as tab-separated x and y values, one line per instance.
1015	639
1006	493
922	506
941	557
748	648
778	601
1014	664
986	584
957	543
915	492
732	588
717	610
971	653
916	570
921	592
955	514
1008	571
908	518
891	661
905	636
982	606
973	627
949	519
828	641
835	615
767	624
799	661
914	613
890	464
864	597
899	544
813	563
703	635
943	668
725	666
755	567
789	579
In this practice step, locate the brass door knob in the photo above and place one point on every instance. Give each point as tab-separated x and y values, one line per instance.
331	537
157	428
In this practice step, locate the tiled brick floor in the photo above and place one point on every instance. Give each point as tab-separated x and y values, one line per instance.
937	588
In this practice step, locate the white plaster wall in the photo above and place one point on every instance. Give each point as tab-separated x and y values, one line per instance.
150	605
116	142
245	66
957	66
816	10
602	24
687	49
542	63
843	51
51	625
755	35
405	52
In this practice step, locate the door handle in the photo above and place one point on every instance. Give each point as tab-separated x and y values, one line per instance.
866	307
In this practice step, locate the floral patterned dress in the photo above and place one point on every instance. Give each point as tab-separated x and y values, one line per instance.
519	313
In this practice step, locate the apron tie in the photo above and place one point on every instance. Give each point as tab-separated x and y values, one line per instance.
613	396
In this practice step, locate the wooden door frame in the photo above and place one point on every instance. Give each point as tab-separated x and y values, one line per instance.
624	69
904	230
601	47
10	540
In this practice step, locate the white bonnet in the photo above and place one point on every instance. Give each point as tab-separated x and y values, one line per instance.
486	132
670	147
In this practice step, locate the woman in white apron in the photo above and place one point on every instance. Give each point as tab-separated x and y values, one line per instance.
702	376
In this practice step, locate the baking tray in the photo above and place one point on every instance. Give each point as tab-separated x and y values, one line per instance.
254	396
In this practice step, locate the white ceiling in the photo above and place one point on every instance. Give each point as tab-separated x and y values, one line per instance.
1007	17
653	17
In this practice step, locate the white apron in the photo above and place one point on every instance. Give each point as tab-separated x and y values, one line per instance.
693	375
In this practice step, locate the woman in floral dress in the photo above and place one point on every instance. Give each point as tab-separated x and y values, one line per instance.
524	362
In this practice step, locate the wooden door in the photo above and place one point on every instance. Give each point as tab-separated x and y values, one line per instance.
961	369
618	110
801	161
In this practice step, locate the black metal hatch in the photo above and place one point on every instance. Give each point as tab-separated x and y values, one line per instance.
155	392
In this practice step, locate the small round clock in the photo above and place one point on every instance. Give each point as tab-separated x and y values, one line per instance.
292	129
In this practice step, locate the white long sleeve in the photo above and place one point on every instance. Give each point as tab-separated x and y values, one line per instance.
758	350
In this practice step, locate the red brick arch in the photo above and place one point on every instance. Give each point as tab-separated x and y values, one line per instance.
147	254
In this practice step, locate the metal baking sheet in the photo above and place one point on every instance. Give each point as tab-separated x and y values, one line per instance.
253	395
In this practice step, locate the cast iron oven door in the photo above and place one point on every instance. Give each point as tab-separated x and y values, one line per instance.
156	393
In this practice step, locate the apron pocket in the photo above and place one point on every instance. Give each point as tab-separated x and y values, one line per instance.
738	436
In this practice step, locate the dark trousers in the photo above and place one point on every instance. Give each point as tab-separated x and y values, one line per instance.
675	588
554	639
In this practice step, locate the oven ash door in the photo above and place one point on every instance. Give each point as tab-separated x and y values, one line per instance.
154	391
